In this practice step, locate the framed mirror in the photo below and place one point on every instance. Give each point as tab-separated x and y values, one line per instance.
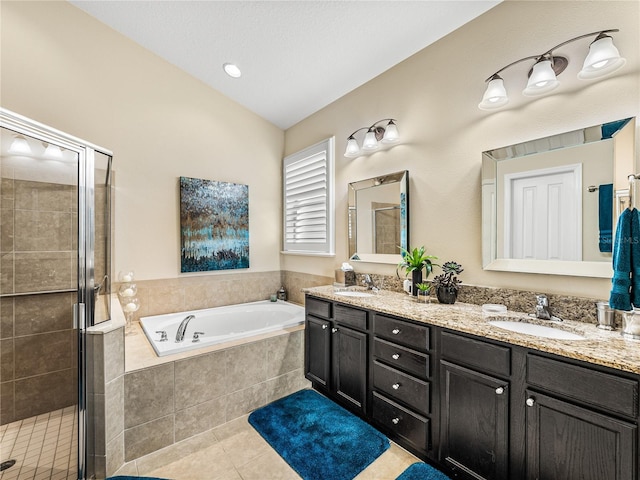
550	205
379	218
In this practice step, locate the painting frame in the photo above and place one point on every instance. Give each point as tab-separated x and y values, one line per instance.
214	225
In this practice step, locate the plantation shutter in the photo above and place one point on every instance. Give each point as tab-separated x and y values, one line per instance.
308	200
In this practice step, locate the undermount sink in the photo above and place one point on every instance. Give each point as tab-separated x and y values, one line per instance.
353	293
536	330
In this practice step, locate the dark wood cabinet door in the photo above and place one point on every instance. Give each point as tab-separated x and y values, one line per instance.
317	352
474	422
350	366
567	442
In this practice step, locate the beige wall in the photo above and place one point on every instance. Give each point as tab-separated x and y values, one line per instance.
65	69
434	96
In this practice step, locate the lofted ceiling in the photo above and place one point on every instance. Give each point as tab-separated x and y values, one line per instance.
295	56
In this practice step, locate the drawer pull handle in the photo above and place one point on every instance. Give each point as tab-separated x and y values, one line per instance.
395	356
325	326
530	402
395	331
395	386
499	390
334	330
395	421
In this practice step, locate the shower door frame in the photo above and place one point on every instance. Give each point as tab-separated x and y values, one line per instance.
83	312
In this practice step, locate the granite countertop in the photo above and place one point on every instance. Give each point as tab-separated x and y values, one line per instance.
606	348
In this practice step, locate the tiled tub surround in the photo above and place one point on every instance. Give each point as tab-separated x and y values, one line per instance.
167	402
601	347
175	400
195	292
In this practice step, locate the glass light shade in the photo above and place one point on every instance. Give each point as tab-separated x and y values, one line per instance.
495	96
603	59
542	80
20	146
391	134
53	151
370	142
353	149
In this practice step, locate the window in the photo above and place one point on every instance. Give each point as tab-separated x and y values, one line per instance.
308	177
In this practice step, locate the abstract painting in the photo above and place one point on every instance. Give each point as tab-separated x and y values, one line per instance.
214	225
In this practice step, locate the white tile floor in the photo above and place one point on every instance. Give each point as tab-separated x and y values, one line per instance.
44	447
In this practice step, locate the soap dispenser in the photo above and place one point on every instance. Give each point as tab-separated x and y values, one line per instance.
282	294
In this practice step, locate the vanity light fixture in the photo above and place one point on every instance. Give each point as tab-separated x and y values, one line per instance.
603	58
20	146
373	138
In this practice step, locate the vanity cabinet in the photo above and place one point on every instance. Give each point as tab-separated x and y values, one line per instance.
481	409
336	349
474	415
580	423
401	381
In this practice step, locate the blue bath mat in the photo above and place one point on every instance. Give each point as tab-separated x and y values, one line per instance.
319	439
422	471
129	477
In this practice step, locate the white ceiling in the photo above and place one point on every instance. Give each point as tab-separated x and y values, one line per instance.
296	56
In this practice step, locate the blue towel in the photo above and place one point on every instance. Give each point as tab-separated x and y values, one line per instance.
635	258
623	262
605	217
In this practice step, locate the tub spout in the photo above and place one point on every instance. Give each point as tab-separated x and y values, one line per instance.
183	328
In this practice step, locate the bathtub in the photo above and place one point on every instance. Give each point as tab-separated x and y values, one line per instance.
220	324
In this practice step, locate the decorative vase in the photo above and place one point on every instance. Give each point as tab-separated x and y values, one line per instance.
446	294
416	277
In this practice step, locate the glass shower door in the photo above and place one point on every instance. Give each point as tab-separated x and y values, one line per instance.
41	284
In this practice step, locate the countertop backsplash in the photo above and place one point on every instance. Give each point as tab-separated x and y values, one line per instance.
566	307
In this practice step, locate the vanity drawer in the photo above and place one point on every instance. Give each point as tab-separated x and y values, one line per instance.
604	390
403	387
409	426
402	357
351	317
487	357
400	331
319	308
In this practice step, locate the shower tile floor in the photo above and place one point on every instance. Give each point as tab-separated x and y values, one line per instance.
44	447
235	451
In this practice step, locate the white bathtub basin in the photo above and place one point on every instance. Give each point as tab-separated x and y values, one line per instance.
536	330
350	293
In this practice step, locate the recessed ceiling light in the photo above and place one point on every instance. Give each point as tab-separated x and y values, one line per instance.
232	70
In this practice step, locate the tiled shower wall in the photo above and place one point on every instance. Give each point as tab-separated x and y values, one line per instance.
38	225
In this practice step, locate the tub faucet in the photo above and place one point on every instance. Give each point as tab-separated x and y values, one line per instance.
543	311
183	328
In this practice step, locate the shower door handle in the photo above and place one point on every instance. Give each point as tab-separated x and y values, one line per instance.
78	313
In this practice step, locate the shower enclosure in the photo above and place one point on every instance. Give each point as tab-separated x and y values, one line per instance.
54	283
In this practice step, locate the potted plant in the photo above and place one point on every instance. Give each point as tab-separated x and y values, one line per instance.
413	262
447	284
423	291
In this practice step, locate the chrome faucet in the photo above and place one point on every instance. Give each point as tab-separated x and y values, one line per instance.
369	283
183	328
543	311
